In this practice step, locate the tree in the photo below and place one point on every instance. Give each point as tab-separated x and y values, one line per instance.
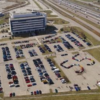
83	35
10	38
98	1
61	29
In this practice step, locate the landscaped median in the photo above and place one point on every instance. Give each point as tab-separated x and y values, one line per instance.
49	13
37	4
58	21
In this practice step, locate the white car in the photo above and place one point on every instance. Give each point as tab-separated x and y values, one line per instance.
11	85
56	70
26	66
63	80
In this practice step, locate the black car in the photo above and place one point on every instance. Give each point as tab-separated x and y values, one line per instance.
9	76
16	82
29	72
13	73
32	79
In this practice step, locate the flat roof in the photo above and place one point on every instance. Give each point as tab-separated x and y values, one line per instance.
26	15
27	18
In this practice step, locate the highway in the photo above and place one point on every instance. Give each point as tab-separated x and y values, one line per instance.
81	11
80	8
70	20
76	17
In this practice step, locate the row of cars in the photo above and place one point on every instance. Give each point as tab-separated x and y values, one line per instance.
58	48
19	52
36	92
47	48
84	40
12	94
3	44
44	48
12	75
50	36
55	70
1	89
41	49
18	42
26	70
75	41
84	58
32	53
44	76
52	40
72	65
77	88
6	54
66	43
27	45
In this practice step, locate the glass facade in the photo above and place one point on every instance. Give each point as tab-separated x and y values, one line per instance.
25	25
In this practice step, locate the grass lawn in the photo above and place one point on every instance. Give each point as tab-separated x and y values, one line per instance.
46	51
75	53
67	97
73	97
22	62
4	39
4	19
1	95
58	40
20	58
49	13
58	21
18	47
90	38
95	53
78	31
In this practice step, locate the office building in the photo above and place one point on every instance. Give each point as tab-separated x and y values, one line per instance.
27	22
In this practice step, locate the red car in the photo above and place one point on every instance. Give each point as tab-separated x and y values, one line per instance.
10	94
10	82
11	65
1	89
27	80
29	85
15	78
34	92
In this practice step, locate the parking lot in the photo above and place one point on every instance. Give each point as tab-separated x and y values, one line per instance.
56	68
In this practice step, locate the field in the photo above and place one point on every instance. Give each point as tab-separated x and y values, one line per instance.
4	19
58	21
95	53
49	13
75	97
